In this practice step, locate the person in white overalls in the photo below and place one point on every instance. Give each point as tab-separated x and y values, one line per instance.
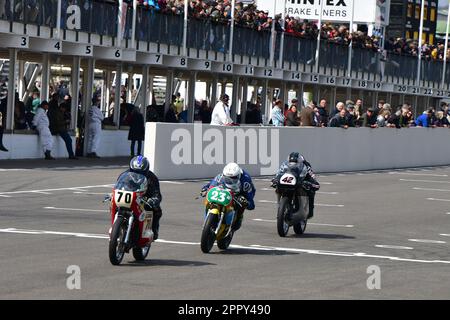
95	128
41	122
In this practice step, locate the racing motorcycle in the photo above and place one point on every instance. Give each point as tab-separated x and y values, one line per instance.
131	224
220	215
293	206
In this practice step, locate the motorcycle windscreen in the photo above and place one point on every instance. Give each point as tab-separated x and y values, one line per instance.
131	182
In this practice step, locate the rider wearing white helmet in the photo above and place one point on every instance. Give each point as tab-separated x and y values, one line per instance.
240	182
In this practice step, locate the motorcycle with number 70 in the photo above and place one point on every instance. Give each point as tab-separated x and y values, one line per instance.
131	224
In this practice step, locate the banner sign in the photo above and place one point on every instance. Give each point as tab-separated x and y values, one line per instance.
333	10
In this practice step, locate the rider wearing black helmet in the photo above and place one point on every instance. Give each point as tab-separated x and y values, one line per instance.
310	184
153	196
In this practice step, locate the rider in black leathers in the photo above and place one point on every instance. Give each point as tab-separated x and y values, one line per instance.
310	184
153	195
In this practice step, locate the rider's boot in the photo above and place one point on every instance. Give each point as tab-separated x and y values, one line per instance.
157	213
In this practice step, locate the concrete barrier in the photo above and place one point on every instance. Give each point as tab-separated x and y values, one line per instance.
193	151
27	146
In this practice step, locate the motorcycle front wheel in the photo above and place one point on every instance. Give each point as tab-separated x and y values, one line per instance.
299	228
116	246
224	243
141	253
283	209
208	234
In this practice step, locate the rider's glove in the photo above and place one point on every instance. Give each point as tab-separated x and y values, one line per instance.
274	183
149	204
203	192
242	201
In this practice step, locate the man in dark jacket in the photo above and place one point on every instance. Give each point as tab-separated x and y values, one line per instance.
58	124
137	131
307	116
369	119
253	114
339	120
322	107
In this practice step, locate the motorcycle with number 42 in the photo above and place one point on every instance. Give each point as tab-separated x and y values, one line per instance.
293	204
131	224
220	215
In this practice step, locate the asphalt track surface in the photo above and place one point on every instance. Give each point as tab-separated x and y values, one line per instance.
395	220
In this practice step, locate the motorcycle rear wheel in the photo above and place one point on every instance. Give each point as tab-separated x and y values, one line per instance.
283	209
116	247
208	235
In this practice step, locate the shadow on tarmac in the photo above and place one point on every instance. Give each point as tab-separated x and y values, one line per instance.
237	251
168	263
321	236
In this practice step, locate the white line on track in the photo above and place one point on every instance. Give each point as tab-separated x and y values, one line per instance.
251	247
434	199
430	181
431	189
420	174
74	209
171	182
393	247
316	204
444	235
3	196
315	224
320	192
6	170
57	189
427	241
91	193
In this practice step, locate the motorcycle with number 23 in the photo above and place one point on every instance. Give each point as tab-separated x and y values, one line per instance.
220	215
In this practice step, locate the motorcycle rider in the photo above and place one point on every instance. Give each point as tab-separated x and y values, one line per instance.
310	184
141	165
240	182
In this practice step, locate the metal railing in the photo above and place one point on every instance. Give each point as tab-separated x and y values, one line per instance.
101	16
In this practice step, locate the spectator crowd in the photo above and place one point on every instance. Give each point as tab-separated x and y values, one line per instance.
352	114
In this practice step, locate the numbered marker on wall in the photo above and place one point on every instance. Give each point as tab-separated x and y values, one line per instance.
46	45
149	58
201	65
14	41
222	67
78	49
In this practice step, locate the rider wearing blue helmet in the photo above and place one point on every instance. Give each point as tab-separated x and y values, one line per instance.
141	165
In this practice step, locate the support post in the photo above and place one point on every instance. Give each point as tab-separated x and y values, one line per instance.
11	89
117	95
75	92
45	79
191	97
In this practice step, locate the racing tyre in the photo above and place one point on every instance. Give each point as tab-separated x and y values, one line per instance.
299	228
116	246
283	209
224	243
141	253
208	235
